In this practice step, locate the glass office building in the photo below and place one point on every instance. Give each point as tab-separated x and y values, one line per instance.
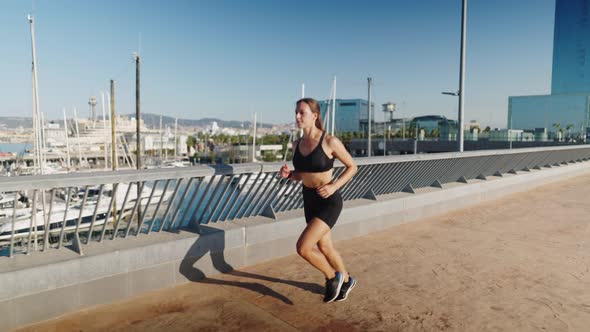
351	114
571	47
568	103
429	122
529	112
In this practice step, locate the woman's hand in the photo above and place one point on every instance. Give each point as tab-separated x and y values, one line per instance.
326	190
285	171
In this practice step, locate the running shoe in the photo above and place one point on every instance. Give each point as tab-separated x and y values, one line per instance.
346	288
333	287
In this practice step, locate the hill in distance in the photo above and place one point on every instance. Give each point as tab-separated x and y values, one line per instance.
150	120
153	121
14	122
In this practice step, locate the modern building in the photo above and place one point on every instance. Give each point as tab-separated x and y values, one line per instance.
448	131
569	101
391	126
514	135
428	122
541	134
399	124
351	114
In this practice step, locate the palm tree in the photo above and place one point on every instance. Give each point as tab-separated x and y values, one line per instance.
345	137
569	130
190	143
558	129
435	133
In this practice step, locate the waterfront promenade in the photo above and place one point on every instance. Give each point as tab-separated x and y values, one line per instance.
521	263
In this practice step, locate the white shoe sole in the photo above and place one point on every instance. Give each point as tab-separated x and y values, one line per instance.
337	290
348	291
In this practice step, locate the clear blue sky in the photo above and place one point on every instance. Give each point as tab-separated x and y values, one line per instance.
227	59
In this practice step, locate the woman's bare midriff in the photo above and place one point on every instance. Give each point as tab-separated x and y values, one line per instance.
315	180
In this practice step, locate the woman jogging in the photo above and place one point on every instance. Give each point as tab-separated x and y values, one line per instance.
313	159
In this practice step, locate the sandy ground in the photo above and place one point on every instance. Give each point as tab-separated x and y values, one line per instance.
517	264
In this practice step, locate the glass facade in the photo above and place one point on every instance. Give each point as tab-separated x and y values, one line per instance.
351	114
530	112
428	122
571	47
568	103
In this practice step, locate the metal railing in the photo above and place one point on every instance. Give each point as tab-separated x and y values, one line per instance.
52	211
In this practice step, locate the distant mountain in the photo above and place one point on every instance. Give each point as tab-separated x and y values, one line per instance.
150	120
15	122
153	121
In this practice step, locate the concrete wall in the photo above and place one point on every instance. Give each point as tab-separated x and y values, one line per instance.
44	285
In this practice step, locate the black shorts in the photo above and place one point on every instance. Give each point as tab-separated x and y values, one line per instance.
326	209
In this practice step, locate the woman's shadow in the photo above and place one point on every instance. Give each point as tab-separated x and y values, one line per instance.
212	240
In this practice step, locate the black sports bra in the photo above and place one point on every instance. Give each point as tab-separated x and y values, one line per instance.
315	162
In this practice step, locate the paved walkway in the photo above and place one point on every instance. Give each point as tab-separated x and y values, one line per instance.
517	264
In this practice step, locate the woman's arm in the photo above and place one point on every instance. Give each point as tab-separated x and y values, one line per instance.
286	173
339	151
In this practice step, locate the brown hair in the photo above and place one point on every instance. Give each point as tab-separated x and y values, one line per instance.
314	106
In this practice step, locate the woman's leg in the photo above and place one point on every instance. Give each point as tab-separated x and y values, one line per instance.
326	246
306	246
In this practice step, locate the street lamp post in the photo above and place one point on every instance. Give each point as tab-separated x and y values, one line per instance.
369	79
461	92
462	74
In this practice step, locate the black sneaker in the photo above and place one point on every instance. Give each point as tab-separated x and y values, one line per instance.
346	288
333	287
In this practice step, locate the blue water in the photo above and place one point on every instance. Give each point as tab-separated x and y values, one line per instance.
18	148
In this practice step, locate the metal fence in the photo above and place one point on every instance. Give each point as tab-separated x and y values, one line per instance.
39	213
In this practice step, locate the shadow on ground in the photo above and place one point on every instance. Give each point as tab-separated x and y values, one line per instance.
212	240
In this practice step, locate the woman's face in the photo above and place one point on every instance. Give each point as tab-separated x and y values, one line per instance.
304	117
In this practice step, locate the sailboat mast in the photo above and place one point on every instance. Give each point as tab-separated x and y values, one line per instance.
104	132
43	139
329	110
114	158
175	139
78	138
36	135
67	140
333	108
302	96
254	140
36	160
